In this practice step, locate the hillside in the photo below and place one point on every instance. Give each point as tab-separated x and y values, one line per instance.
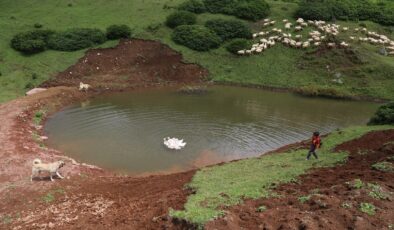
365	72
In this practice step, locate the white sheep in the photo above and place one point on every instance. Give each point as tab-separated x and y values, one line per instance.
316	44
300	20
305	45
331	45
298	28
83	86
241	52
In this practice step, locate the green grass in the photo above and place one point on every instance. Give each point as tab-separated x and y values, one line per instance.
225	185
383	166
355	184
278	67
368	208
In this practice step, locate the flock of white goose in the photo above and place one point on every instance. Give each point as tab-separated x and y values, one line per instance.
316	38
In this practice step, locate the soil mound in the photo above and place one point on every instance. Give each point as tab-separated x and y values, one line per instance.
132	63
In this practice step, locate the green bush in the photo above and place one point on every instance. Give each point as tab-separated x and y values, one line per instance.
251	10
384	115
346	9
31	42
237	44
76	39
196	37
229	28
314	11
220	6
179	18
118	31
194	6
245	9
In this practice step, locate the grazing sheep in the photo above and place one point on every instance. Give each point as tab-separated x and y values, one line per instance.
254	35
316	44
285	20
331	45
266	20
300	20
352	38
344	44
304	24
390	53
272	23
298	28
305	45
288	25
241	52
298	36
345	28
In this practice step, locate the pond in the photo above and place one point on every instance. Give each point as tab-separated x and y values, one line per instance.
125	131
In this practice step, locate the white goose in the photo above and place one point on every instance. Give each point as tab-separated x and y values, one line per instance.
174	143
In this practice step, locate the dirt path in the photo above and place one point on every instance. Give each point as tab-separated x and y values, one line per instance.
329	195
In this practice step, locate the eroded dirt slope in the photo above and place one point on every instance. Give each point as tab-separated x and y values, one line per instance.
333	203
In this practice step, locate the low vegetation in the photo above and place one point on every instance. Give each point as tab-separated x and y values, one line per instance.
245	9
194	6
377	11
196	37
237	44
31	42
384	115
76	39
229	28
118	31
384	166
225	185
368	208
179	18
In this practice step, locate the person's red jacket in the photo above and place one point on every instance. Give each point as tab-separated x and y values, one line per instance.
316	141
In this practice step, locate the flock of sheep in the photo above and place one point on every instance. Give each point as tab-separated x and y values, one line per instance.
316	38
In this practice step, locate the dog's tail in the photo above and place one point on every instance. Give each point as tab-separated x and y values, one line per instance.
36	161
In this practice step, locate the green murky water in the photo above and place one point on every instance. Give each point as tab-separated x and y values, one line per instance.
125	131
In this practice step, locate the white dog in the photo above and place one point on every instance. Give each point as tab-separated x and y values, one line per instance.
52	168
83	86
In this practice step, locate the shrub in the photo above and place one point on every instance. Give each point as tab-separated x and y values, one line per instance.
219	6
314	11
37	25
237	44
181	18
383	166
76	39
346	9
31	42
118	31
251	10
194	6
384	115
196	37
230	28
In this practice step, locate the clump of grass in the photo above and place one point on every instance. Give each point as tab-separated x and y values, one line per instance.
368	208
346	205
51	196
6	219
383	166
377	192
304	199
261	208
363	151
38	116
355	184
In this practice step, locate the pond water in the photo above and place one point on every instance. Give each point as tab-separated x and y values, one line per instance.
125	131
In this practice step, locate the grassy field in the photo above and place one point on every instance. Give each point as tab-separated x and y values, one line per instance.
277	67
228	184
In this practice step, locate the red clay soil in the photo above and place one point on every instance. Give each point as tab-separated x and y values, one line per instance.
89	198
329	194
131	64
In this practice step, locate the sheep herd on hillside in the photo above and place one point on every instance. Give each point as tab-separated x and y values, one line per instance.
316	38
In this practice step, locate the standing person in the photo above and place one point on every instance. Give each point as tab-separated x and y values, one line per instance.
315	145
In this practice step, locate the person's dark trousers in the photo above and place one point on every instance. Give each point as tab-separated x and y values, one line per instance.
312	151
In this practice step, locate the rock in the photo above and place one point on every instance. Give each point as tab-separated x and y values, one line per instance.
51	225
34	91
44	138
